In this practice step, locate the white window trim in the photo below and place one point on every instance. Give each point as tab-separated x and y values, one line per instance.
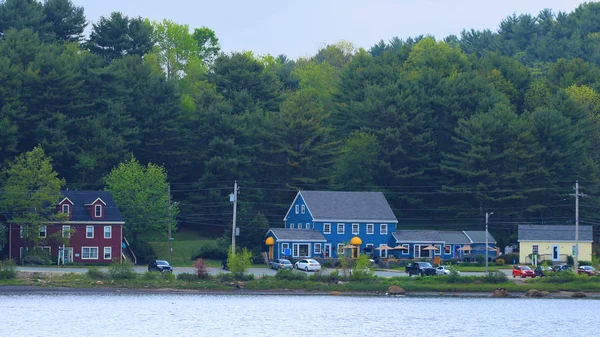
291	226
340	250
343	226
303	209
317	248
327	228
66	231
90	253
21	231
450	250
296	250
370	228
307	225
533	250
417	251
96	209
45	231
405	251
67	208
383	252
284	246
437	252
109	253
357	227
109	232
381	229
87	236
297	209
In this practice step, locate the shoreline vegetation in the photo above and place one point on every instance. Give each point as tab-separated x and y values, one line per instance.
286	282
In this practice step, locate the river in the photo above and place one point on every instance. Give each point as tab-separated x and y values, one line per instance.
96	314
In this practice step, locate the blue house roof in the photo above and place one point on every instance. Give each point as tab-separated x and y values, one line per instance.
330	206
80	199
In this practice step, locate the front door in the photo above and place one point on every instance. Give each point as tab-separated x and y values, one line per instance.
555	253
327	251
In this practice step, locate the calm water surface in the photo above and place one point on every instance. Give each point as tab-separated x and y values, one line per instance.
270	315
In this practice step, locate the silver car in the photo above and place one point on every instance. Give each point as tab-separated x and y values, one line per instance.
444	270
281	264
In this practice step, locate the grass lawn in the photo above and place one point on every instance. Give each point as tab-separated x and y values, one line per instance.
185	245
482	268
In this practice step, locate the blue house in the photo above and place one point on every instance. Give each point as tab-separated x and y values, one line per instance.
443	244
322	223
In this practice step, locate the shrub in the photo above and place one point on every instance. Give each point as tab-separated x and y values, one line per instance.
454	276
187	277
211	250
585	263
570	260
143	251
561	277
8	270
121	271
510	258
239	262
201	269
495	277
332	277
37	255
480	258
499	262
290	275
95	273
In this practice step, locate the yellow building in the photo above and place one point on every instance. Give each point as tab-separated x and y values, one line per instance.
553	243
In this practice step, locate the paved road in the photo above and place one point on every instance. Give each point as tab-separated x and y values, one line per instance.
215	271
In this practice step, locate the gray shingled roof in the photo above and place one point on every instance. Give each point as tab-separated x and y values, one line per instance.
297	235
554	233
348	206
80	199
479	236
454	237
417	236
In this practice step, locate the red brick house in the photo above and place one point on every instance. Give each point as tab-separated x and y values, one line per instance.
94	227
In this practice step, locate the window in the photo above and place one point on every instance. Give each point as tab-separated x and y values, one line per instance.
535	249
89	232
405	251
284	247
21	231
98	211
48	249
340	249
383	229
326	228
370	228
418	251
107	253
88	253
355	228
42	231
66	231
107	232
341	229
447	249
297	209
301	249
291	226
307	226
317	248
383	252
303	209
65	208
438	250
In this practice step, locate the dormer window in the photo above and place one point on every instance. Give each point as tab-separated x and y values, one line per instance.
98	211
303	209
297	209
65	209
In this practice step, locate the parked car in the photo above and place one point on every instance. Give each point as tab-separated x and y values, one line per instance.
541	271
160	265
522	271
419	268
308	264
562	267
281	264
588	270
444	270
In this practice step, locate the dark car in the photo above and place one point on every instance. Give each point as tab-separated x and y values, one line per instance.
419	268
562	267
541	271
160	266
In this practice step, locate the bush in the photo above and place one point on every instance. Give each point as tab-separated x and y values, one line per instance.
480	258
8	270
121	271
290	275
37	255
239	263
187	277
570	260
510	258
332	277
143	251
495	277
499	262
95	273
561	277
454	276
211	250
201	269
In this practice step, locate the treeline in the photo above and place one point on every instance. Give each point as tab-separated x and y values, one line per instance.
489	121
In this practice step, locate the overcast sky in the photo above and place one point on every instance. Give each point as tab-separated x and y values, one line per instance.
298	28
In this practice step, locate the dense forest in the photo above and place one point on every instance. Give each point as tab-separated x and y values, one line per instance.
448	129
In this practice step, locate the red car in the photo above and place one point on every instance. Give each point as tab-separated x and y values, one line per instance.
523	271
589	270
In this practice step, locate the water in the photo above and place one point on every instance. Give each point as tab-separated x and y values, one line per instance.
39	314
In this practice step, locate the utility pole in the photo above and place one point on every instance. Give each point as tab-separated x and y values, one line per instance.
487	248
576	252
169	221
234	197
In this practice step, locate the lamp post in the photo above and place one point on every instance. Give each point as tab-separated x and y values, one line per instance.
487	217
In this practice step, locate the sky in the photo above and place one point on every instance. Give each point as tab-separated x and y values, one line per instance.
299	28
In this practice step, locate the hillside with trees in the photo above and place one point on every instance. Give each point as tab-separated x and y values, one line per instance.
448	129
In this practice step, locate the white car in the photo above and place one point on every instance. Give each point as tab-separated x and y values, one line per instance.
444	270
308	264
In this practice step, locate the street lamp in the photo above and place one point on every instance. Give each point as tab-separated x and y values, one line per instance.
487	248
